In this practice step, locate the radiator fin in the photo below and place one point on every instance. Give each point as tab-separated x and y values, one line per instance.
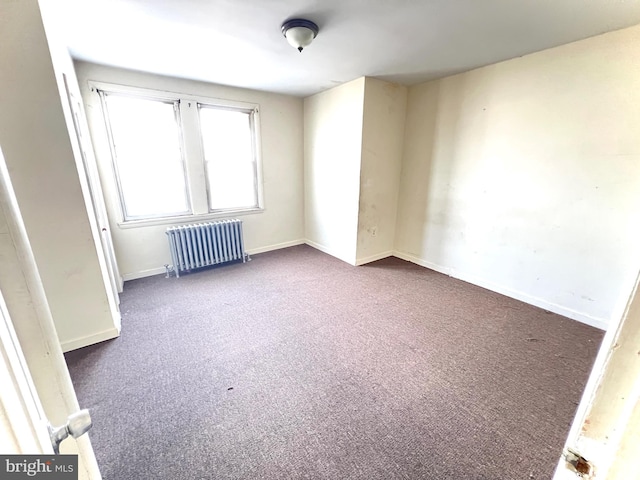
205	244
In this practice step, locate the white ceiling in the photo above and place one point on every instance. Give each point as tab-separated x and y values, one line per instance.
239	42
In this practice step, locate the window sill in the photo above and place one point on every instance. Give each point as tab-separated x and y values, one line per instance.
185	219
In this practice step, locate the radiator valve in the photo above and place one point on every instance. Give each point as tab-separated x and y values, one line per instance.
169	270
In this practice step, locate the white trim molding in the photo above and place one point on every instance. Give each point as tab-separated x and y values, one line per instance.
254	251
90	340
523	297
276	246
328	251
143	273
373	258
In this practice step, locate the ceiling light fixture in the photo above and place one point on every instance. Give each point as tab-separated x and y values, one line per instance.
299	32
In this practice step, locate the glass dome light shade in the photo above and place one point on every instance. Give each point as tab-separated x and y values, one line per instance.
299	33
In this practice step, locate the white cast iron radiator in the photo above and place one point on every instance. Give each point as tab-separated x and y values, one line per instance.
204	244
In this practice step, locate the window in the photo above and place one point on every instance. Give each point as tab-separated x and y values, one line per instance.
180	156
145	139
229	157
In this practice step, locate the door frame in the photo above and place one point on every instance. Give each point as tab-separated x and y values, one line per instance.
96	197
601	430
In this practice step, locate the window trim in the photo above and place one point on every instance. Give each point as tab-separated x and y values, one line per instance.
183	219
254	120
179	99
114	156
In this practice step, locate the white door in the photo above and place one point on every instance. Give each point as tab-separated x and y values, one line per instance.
34	378
26	430
22	417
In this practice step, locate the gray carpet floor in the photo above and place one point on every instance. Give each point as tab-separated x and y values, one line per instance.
297	365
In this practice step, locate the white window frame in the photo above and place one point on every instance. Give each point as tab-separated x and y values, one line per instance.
192	153
126	217
253	114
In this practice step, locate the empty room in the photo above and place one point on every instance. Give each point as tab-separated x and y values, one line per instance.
333	240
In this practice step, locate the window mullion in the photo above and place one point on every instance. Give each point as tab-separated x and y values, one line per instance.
194	159
256	143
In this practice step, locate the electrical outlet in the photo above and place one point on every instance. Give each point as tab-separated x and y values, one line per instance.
374	231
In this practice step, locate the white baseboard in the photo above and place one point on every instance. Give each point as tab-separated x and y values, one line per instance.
277	246
523	297
144	273
328	251
373	258
254	251
90	340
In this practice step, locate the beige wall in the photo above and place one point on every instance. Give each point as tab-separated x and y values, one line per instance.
524	176
332	158
143	250
40	156
382	138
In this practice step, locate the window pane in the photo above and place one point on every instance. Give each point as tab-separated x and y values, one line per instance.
228	154
148	156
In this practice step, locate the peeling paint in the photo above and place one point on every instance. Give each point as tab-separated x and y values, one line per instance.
580	465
